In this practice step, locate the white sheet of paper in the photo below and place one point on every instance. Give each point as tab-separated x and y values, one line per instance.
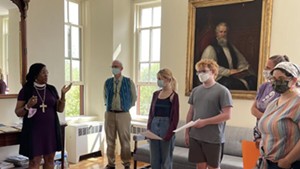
150	135
187	125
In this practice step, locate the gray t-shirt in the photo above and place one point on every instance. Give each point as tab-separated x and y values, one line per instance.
208	102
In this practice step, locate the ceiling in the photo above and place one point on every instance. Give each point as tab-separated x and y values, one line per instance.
5	5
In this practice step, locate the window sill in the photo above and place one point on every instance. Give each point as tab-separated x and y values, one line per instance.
81	119
139	121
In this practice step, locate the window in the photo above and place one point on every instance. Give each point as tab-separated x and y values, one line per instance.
73	58
4	47
148	28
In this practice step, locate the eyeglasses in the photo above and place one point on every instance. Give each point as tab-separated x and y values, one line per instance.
273	79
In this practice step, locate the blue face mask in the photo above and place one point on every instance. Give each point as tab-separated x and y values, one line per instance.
160	83
116	71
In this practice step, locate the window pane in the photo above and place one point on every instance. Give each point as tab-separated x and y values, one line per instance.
146	17
75	42
76	70
5	46
67	33
74	13
144	72
145	95
73	101
156	16
144	45
153	71
155	50
66	9
5	25
67	70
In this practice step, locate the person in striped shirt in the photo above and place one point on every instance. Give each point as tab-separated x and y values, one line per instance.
280	123
265	93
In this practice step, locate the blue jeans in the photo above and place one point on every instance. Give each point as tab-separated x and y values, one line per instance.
272	165
161	152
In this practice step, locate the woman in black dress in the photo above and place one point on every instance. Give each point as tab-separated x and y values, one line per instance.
38	103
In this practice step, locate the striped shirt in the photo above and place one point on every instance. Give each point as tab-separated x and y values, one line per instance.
280	128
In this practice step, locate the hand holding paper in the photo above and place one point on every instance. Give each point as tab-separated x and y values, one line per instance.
187	125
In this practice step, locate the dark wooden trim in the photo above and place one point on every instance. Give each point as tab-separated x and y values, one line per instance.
9	138
90	155
23	8
81	99
8	96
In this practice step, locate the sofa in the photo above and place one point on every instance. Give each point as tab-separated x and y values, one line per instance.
232	158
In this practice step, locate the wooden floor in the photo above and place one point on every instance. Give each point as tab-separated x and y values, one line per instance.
101	162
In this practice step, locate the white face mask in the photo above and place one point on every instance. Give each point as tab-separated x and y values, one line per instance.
116	71
160	83
203	77
267	74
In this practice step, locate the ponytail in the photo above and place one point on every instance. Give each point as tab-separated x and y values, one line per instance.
174	83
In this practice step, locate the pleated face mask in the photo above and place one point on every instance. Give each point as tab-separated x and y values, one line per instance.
203	77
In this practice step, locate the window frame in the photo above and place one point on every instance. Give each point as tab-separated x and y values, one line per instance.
5	34
137	44
80	27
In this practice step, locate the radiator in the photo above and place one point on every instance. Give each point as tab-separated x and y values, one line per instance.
136	128
82	139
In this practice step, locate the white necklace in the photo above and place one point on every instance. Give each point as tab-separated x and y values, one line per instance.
43	105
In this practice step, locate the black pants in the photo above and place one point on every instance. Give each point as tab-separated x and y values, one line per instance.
271	165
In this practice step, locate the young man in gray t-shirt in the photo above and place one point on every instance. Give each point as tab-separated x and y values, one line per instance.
210	105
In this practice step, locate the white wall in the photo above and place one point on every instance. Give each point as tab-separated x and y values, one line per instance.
285	29
123	34
98	54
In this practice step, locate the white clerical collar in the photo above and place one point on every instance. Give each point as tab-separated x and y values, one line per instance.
38	85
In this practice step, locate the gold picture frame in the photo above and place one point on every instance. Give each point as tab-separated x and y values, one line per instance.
255	15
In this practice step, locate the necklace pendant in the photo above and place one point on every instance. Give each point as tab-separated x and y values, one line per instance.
43	106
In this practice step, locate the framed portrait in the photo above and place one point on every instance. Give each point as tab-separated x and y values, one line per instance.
248	31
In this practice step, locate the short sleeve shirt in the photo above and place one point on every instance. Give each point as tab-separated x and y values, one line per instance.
280	128
265	95
209	102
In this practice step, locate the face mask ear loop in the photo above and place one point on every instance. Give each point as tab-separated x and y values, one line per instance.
292	86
